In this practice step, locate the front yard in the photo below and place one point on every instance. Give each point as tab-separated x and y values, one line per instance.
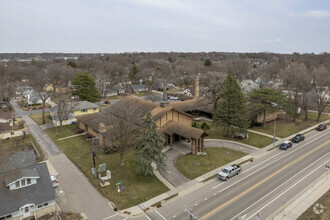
285	127
24	106
193	166
255	140
17	144
38	118
137	188
310	213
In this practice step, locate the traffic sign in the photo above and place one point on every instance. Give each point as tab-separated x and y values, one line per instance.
117	184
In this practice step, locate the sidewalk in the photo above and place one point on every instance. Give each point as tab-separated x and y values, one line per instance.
306	200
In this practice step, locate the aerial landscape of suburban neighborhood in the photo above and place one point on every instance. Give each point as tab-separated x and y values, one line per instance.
94	126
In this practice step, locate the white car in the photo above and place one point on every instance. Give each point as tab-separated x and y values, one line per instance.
54	181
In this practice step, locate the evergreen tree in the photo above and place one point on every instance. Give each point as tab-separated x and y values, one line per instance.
149	144
208	62
231	110
133	72
269	101
84	87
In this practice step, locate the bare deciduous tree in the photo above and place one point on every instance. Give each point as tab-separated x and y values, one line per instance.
211	83
321	88
64	109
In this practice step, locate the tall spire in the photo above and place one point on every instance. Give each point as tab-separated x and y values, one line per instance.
164	101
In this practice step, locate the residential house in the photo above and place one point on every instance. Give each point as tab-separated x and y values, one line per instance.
140	88
26	192
33	97
5	131
111	92
48	87
6	117
174	124
78	108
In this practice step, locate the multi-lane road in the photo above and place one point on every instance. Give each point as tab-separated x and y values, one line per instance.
264	187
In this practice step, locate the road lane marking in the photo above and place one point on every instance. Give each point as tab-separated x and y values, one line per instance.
110	217
265	166
287	190
160	215
282	185
148	217
262	181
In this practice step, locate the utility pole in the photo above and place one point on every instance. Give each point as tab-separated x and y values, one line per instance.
274	131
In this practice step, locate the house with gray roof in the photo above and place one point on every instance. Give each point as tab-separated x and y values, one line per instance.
26	192
16	161
74	109
140	88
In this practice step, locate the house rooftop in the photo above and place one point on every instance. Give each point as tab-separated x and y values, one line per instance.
6	115
42	191
17	161
21	173
4	127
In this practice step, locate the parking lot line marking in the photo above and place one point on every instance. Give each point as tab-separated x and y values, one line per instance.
262	181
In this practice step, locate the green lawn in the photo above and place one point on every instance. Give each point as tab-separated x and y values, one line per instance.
38	118
285	128
137	188
310	214
193	166
17	143
255	140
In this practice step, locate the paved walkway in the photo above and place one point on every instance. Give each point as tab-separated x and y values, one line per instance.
261	133
71	136
171	174
78	194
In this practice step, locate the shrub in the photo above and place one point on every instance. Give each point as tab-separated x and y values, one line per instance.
205	126
106	102
194	124
257	124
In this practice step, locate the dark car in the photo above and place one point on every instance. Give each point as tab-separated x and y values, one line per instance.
285	145
321	127
298	138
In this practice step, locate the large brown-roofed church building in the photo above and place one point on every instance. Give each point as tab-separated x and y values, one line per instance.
174	124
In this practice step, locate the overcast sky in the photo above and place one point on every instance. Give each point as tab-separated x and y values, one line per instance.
112	26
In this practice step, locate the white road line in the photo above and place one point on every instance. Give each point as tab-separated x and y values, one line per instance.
264	166
215	194
282	185
148	217
174	216
196	204
160	215
110	217
205	199
287	190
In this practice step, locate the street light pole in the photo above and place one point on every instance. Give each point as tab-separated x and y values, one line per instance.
274	131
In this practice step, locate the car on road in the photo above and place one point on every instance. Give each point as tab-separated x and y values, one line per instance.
229	172
54	181
285	145
298	138
321	127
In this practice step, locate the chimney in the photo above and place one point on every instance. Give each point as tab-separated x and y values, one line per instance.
197	86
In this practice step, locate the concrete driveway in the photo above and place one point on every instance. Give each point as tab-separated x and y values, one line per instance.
171	174
75	193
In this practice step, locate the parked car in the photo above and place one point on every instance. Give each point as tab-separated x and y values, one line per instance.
298	138
229	172
285	145
54	181
321	127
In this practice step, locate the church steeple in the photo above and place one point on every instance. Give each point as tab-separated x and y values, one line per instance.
164	101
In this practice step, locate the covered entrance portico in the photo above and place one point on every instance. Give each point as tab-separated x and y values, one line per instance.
176	132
